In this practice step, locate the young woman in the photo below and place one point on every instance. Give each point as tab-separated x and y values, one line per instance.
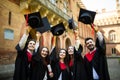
25	52
40	67
59	62
76	62
61	69
71	60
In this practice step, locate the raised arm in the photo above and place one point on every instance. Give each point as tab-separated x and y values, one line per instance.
24	38
78	47
53	43
99	34
77	39
100	39
38	35
100	42
53	57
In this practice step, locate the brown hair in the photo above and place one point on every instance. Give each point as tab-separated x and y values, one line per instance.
86	39
47	59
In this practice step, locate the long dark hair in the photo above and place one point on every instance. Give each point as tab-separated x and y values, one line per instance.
66	60
71	57
66	57
46	60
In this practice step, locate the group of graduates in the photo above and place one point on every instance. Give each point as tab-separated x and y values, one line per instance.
34	62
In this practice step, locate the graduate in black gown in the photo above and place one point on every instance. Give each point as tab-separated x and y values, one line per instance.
40	67
95	59
76	61
59	63
71	60
61	70
24	55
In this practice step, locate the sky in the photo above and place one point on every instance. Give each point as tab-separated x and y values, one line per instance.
94	5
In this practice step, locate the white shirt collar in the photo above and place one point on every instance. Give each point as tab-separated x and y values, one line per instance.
29	51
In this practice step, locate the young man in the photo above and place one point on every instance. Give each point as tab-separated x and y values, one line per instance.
24	56
95	59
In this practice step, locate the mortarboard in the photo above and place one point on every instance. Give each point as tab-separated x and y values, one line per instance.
45	27
86	16
34	19
71	24
58	29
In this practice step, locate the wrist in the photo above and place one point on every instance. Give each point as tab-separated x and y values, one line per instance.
38	38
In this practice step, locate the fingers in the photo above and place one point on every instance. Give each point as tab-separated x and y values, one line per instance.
51	74
26	27
96	28
38	35
76	33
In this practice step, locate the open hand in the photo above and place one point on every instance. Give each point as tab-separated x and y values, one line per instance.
38	35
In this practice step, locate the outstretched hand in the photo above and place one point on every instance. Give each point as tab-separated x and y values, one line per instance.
51	74
53	40
38	35
76	33
94	27
26	27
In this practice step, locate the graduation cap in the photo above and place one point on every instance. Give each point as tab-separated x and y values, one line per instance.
71	24
45	27
34	20
86	16
58	29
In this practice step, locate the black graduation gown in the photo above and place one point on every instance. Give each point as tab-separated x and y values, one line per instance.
38	68
79	72
22	69
99	62
57	71
56	67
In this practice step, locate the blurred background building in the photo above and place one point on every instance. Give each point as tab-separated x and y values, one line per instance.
109	24
12	17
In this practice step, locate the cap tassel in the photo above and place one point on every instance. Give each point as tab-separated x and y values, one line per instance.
92	26
27	20
53	41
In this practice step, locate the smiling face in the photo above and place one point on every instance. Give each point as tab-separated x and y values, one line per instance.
90	44
44	52
62	54
31	45
70	50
